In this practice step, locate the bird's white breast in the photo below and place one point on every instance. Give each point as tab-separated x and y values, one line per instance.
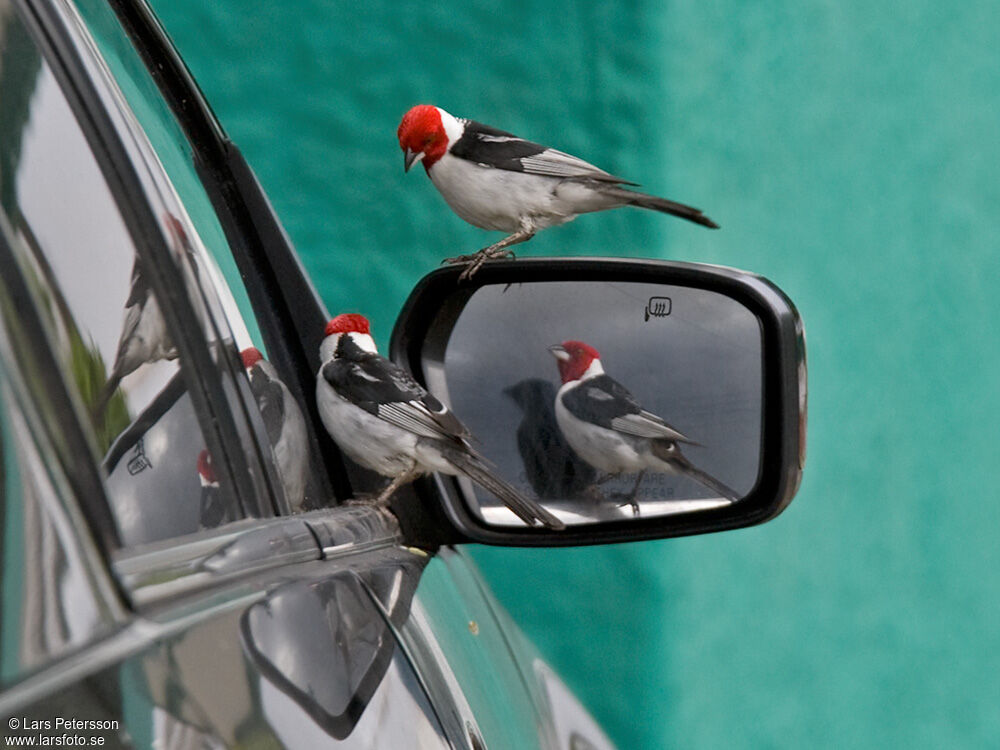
146	339
291	451
604	449
499	199
366	439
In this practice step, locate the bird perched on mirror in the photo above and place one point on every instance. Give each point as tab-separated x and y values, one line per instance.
387	422
551	466
609	429
495	180
285	425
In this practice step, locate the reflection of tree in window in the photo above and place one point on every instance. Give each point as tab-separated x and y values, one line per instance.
78	261
20	75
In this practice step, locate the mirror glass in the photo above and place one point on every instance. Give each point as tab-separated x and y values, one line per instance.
666	420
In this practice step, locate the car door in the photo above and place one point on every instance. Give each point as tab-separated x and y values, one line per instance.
149	586
209	615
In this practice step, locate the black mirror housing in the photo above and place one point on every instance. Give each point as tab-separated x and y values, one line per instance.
730	364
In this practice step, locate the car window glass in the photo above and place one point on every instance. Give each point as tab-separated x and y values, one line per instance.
280	420
47	606
173	150
101	315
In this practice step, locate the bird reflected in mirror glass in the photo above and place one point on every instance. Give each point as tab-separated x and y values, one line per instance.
497	181
609	429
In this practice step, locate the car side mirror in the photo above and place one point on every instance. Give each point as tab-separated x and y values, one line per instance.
634	399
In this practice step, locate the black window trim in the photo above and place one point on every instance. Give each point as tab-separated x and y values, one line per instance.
54	36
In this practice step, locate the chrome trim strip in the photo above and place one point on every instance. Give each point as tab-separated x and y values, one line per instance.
176	567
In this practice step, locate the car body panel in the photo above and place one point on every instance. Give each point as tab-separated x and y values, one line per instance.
274	630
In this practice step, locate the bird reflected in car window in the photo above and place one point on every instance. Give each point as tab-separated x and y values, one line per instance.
285	425
144	337
215	508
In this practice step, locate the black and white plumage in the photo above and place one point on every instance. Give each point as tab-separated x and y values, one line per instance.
387	422
144	337
551	466
215	507
285	425
495	180
609	429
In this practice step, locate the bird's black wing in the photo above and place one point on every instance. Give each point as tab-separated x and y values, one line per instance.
607	403
139	294
139	287
550	464
270	397
600	400
386	390
494	148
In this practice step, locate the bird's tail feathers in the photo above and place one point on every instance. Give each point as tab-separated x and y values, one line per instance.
643	200
711	482
685	467
527	510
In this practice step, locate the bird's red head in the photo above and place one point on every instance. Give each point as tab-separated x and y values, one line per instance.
182	244
205	468
574	358
422	135
348	323
251	357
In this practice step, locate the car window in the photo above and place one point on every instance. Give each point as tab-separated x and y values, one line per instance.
172	149
279	417
47	603
98	307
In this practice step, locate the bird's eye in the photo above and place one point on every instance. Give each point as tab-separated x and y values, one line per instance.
428	139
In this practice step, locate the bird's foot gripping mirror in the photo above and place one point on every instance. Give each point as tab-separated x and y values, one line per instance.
633	399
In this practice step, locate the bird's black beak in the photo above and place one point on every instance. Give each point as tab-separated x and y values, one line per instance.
559	352
410	158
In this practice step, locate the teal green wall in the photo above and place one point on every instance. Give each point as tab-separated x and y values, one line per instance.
850	151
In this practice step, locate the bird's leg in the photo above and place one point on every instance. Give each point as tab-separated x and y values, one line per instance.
593	491
497	250
630	498
407	476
